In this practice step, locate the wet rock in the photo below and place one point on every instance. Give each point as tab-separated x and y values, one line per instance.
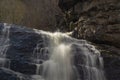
99	22
111	57
112	67
6	74
23	67
22	42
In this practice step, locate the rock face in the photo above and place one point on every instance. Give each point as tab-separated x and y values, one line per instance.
17	54
111	56
98	21
25	52
67	4
18	64
101	22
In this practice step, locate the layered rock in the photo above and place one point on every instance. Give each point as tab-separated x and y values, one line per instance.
98	21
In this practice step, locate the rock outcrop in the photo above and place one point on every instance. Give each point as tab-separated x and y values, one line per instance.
17	64
98	21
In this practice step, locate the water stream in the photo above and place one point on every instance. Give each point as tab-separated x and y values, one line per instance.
60	63
4	45
58	56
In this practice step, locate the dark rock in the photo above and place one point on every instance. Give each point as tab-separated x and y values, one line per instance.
20	51
99	22
112	67
111	57
67	4
6	74
23	67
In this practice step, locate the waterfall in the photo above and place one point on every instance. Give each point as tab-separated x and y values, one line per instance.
59	64
92	62
56	56
4	44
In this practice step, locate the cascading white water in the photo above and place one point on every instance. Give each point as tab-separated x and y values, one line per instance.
4	44
92	63
60	65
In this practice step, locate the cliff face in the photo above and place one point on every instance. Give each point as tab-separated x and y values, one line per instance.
98	21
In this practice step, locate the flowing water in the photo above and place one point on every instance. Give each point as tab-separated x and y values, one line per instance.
58	56
59	64
4	44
